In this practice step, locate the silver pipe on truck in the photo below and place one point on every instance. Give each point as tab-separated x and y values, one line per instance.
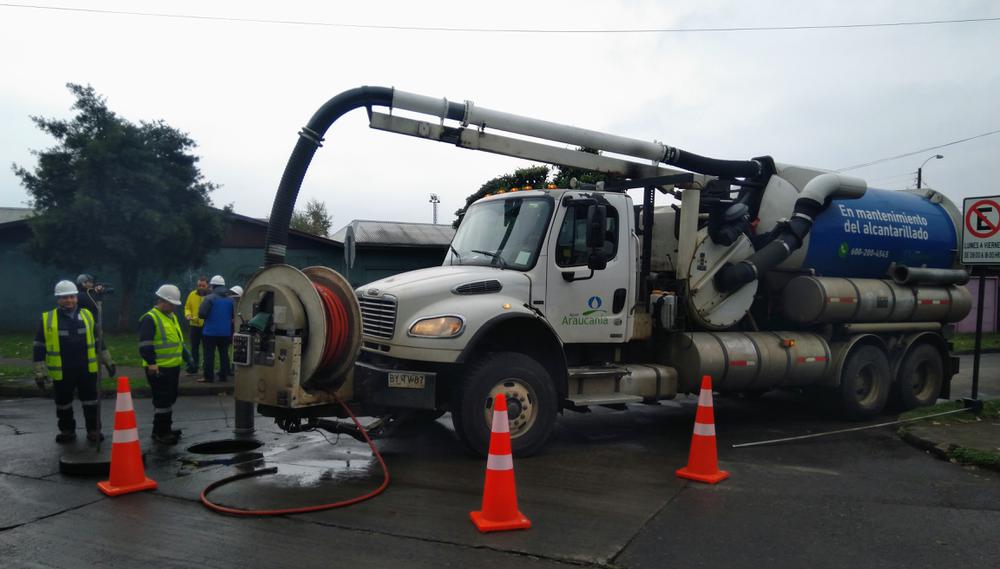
912	276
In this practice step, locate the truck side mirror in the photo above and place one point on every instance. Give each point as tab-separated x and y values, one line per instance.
597	261
597	221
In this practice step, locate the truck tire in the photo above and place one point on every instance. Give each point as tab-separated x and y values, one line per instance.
865	382
531	402
921	376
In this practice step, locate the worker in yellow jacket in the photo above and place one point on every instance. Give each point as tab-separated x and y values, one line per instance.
66	351
195	324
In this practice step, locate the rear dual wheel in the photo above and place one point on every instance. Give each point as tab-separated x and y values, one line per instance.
865	381
921	376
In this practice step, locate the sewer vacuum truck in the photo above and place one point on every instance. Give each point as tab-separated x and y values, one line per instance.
760	274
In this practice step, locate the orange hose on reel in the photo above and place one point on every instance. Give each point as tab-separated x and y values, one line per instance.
336	325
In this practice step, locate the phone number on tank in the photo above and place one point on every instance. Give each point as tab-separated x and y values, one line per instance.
877	253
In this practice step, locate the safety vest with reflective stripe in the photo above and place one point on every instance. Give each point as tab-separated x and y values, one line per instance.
168	340
53	357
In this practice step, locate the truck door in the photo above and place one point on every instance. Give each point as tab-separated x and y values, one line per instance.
593	306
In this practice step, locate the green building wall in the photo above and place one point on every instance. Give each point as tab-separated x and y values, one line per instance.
26	286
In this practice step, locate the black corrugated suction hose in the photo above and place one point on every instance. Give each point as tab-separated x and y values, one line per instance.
310	138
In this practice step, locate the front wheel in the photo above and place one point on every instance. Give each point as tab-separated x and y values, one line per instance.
531	402
865	382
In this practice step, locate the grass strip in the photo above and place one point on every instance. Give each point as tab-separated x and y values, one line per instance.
983	458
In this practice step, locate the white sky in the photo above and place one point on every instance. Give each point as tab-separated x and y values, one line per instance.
826	98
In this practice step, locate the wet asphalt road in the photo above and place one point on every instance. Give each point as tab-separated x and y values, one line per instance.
602	494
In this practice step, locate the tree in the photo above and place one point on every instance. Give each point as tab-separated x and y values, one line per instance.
537	177
534	176
116	194
564	174
314	219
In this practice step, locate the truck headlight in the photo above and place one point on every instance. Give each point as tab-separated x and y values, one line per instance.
437	327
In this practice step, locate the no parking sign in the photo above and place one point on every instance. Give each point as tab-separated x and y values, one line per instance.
981	231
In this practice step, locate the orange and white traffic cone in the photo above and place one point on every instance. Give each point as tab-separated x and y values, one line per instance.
499	511
703	462
127	472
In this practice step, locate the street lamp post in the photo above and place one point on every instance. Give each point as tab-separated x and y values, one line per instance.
435	201
920	170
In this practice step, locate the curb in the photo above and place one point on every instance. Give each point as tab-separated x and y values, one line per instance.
938	449
22	391
971	352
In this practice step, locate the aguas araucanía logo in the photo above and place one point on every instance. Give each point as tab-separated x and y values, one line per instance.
595	304
593	317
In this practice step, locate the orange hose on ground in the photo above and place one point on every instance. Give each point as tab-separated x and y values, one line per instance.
302	509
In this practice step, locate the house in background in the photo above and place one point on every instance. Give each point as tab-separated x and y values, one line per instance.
379	249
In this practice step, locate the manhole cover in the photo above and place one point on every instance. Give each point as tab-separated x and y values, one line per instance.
89	462
228	446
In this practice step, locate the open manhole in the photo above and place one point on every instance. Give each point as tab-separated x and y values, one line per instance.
226	446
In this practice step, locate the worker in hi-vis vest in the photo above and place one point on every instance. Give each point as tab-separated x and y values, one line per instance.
161	345
65	351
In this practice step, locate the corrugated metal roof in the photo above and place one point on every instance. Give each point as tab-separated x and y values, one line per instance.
8	214
368	232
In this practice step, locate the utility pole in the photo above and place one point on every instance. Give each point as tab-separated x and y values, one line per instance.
434	202
920	170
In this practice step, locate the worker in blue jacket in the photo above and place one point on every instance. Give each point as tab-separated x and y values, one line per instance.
218	311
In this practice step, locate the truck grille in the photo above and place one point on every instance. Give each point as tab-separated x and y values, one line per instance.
378	316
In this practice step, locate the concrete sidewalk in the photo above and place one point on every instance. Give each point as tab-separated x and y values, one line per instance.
964	438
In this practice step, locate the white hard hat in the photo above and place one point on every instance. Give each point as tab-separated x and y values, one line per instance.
170	293
217	280
237	290
65	288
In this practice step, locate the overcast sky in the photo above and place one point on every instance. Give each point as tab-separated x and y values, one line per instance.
826	98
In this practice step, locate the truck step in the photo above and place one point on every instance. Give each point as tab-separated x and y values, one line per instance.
603	399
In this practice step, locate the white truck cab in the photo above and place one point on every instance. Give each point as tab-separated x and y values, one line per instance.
516	286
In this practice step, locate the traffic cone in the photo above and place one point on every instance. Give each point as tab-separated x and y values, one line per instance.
127	473
703	462
499	511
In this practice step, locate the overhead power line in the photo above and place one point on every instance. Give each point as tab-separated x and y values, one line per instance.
922	150
911	174
503	30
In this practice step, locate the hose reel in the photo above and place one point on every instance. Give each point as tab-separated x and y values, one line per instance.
299	335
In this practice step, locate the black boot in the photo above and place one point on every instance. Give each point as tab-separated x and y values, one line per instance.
93	422
162	433
168	438
67	425
66	437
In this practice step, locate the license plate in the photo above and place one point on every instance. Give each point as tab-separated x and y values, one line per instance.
407	380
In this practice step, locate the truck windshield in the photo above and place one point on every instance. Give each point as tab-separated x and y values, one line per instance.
503	233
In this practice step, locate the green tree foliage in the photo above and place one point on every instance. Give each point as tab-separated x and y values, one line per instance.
534	176
564	174
314	219
116	194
